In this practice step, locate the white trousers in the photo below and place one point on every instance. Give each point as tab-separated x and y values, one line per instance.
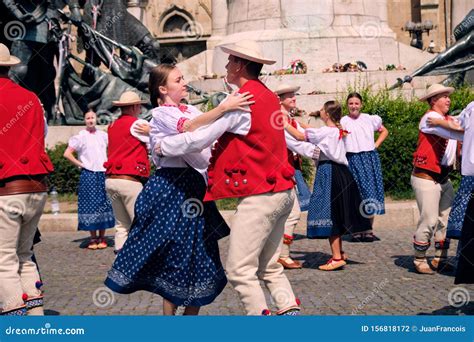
255	243
19	217
123	194
434	202
290	225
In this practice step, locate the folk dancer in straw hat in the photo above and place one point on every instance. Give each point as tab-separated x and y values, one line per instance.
433	161
24	166
249	162
296	149
127	167
181	261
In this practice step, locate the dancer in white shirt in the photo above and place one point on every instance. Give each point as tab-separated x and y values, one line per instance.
335	204
94	207
364	161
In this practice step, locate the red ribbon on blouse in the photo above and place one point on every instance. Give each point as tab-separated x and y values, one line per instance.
342	132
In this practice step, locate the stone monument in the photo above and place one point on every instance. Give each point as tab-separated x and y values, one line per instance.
320	32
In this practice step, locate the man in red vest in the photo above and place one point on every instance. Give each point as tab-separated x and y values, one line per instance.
127	167
433	161
249	162
24	166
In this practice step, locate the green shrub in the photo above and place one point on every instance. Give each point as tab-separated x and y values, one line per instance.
65	176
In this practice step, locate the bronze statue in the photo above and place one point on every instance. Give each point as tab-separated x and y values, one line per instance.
25	30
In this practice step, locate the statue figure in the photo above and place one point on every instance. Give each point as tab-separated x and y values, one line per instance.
26	30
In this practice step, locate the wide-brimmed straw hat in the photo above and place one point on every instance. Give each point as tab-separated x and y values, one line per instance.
286	88
247	49
5	58
434	90
128	98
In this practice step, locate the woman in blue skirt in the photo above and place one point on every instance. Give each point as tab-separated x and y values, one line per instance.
94	208
172	247
364	161
335	204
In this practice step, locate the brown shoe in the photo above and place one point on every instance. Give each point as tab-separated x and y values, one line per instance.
332	265
92	244
422	266
292	265
102	244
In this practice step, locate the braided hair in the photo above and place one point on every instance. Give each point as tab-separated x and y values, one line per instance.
334	111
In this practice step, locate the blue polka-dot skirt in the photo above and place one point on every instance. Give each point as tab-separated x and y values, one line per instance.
172	247
303	192
367	172
94	207
458	210
465	265
335	206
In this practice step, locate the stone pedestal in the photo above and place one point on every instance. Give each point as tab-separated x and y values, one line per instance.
320	33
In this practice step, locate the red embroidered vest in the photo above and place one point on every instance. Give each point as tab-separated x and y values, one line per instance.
22	150
256	163
126	154
430	152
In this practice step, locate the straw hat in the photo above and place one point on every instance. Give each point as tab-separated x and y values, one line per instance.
285	88
247	49
5	58
128	98
436	89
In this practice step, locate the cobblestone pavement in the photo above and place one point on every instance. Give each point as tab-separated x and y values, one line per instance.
378	280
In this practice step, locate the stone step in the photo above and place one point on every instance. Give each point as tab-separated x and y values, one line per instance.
399	214
331	82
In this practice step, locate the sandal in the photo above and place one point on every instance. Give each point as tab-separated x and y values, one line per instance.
332	264
102	244
368	237
92	244
289	263
357	237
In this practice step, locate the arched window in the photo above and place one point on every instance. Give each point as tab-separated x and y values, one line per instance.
175	24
